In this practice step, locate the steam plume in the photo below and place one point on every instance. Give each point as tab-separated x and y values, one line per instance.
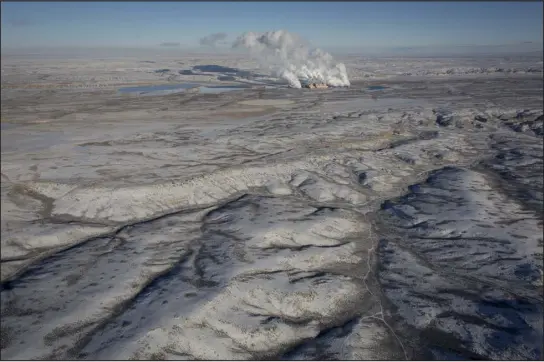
291	58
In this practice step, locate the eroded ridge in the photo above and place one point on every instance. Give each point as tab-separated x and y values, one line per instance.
461	263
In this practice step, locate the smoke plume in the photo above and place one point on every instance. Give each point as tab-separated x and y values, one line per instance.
290	58
212	39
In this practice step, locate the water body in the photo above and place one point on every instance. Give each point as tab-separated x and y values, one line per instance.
6	126
173	88
160	87
376	87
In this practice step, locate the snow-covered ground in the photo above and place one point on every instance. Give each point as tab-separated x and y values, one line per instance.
268	222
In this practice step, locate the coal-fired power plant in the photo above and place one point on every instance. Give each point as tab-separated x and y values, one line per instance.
292	60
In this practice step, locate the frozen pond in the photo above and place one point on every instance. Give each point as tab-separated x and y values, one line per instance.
376	87
162	89
6	126
158	88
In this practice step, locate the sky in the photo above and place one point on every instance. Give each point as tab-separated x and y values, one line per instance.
347	25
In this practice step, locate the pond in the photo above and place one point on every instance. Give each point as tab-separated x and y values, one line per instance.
6	126
174	88
376	87
159	87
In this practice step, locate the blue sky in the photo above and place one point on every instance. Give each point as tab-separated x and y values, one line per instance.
326	24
